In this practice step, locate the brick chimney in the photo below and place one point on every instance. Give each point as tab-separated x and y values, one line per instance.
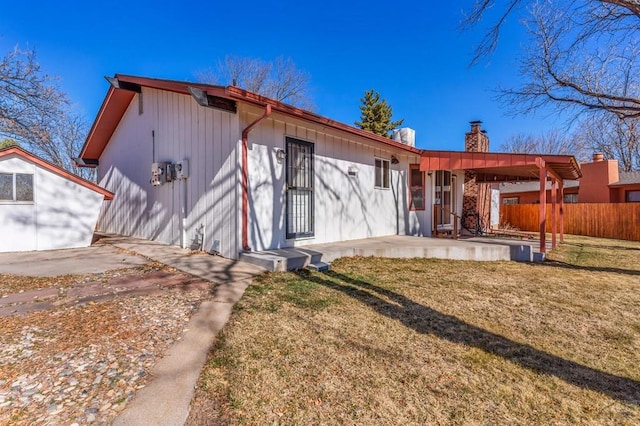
476	197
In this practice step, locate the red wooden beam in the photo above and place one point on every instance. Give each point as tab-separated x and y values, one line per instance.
543	204
561	196
554	206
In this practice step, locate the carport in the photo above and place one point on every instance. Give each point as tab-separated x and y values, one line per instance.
490	167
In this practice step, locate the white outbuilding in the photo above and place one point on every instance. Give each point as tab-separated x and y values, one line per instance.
44	207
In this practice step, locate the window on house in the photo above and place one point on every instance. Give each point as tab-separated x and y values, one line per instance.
510	200
382	173
570	198
416	184
16	187
632	197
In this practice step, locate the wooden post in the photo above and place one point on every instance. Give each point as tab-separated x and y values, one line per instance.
561	196
554	206
543	204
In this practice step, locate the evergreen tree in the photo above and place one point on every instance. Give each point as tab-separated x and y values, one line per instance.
376	115
6	143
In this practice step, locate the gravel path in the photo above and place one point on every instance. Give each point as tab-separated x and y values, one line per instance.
82	358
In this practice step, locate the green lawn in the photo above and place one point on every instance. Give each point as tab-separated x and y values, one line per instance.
425	341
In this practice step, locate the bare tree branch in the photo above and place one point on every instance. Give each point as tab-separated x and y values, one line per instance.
280	79
36	113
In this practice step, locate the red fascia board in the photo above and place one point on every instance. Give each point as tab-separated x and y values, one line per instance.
111	112
117	101
108	195
241	94
514	165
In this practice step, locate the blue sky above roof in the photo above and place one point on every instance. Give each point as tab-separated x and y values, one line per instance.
411	52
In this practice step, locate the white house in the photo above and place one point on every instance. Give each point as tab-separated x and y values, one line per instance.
44	207
309	179
225	170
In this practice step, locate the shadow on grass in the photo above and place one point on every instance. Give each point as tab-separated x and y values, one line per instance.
602	246
559	264
429	321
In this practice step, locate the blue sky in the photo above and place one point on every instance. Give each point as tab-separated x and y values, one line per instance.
412	52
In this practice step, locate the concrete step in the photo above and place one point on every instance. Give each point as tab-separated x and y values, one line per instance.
286	259
319	266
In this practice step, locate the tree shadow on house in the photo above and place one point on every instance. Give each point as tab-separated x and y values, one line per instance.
426	320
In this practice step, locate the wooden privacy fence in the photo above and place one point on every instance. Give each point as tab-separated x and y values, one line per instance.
619	221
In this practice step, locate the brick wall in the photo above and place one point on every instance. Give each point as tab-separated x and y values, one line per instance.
476	197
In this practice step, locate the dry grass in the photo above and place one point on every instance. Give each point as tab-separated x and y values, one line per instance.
421	341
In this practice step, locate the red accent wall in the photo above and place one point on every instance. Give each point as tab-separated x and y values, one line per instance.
596	177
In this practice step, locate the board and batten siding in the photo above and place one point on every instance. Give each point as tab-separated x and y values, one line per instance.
346	207
171	128
63	213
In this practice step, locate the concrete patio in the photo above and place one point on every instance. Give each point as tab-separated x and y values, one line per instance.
399	246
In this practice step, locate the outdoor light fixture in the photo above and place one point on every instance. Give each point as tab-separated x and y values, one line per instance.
206	100
85	162
352	171
394	160
281	154
199	95
123	85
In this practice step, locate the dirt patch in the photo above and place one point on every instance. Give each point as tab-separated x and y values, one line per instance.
85	356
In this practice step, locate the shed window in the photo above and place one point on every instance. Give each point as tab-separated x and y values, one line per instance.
16	187
510	200
416	183
382	173
633	197
570	198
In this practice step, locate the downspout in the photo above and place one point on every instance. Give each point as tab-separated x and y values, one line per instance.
245	178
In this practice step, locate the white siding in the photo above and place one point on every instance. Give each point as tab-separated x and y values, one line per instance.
208	199
346	207
63	214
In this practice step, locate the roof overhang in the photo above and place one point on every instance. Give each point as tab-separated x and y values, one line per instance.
123	88
502	167
16	150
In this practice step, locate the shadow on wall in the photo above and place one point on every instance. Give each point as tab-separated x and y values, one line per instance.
343	208
64	217
337	195
426	320
129	213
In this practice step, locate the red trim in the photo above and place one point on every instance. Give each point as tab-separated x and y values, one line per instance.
117	101
245	178
500	167
55	169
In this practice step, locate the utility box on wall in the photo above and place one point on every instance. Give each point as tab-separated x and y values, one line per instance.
158	173
182	169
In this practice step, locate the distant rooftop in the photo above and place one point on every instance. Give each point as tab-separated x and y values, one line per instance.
512	188
627	178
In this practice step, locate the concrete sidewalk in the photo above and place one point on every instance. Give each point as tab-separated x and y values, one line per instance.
166	399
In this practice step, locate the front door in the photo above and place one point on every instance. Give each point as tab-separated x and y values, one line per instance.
445	198
299	189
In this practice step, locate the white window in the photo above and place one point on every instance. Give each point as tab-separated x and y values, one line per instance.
16	187
382	173
632	197
570	198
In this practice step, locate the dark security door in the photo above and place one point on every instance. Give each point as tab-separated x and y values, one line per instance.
299	191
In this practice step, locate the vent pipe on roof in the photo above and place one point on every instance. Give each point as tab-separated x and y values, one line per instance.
597	157
405	135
